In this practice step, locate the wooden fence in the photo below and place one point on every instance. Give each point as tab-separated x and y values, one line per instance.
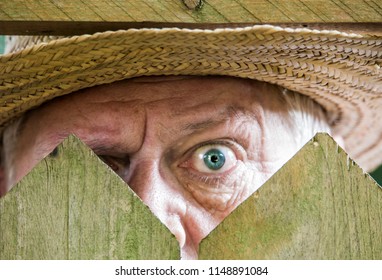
68	17
320	205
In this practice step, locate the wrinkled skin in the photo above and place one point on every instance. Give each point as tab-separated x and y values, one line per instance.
154	133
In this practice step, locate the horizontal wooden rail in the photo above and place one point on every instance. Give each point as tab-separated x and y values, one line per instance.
67	17
206	11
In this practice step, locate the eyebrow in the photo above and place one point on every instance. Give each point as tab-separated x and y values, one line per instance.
229	113
202	125
102	148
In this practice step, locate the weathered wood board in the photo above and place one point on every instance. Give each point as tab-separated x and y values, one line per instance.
320	205
207	11
66	17
73	206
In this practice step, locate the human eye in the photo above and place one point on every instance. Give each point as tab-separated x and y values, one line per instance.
119	165
212	159
214	172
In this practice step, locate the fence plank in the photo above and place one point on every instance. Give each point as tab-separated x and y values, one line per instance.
320	205
66	17
208	11
74	207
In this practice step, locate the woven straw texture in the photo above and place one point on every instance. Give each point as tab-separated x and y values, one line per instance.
340	71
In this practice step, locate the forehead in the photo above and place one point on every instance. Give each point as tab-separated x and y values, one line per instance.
153	89
180	100
180	92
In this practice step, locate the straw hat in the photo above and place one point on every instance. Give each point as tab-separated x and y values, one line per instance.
338	70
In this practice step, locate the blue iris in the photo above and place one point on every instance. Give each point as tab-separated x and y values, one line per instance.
214	159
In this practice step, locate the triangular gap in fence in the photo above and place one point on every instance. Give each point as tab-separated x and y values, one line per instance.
320	205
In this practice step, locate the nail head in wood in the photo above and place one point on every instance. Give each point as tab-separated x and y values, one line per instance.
193	4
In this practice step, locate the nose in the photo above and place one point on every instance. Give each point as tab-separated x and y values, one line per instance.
164	200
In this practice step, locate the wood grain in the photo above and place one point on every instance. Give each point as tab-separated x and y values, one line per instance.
25	16
74	207
320	205
209	11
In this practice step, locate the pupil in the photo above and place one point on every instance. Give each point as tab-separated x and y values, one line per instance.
214	159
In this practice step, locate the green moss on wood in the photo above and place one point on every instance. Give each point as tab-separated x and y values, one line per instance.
73	206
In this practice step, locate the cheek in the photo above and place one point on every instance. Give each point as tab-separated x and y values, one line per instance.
28	154
221	196
210	204
21	165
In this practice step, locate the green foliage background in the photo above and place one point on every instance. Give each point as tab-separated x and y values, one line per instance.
2	44
377	174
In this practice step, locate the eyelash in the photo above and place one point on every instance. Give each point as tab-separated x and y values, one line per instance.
114	163
210	179
226	142
215	179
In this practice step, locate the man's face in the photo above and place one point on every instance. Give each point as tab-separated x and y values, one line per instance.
191	148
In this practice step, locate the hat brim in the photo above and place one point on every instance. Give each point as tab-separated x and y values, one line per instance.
340	71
